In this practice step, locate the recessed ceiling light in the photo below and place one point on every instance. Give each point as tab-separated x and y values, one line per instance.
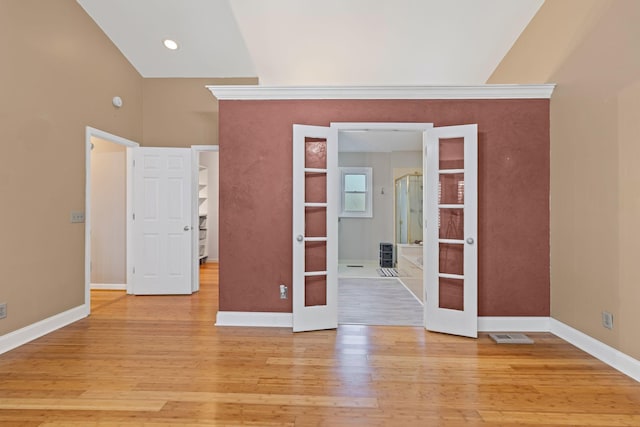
170	44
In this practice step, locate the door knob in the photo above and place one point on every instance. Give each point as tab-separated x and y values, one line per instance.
300	238
470	240
187	228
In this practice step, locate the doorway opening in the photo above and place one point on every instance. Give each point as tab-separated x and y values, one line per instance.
373	289
108	181
206	166
108	216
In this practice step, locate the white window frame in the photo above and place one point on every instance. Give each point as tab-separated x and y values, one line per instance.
368	172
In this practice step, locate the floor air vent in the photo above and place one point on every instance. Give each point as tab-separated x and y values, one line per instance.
511	338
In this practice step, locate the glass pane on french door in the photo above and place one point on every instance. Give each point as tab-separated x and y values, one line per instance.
451	223
315	218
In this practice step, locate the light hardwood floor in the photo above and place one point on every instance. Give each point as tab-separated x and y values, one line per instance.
377	301
160	361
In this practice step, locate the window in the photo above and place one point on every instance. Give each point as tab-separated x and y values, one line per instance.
356	192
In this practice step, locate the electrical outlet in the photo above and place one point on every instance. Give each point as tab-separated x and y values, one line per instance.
283	291
3	310
77	216
607	320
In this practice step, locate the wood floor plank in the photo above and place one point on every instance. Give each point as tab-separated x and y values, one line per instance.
78	404
547	418
160	361
243	398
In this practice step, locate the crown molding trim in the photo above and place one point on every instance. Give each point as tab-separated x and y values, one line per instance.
510	91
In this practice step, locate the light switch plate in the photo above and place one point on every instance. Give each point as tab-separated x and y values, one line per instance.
77	216
607	320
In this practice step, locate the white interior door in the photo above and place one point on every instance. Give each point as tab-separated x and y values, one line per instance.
315	228
162	221
450	249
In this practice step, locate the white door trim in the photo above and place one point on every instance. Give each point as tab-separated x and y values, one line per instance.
97	133
389	126
195	264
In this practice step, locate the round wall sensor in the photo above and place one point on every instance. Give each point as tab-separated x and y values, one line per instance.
117	101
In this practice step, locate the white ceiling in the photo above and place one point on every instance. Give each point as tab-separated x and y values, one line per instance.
317	42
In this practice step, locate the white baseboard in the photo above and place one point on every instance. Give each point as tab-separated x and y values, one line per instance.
109	286
36	330
285	320
609	355
513	324
254	319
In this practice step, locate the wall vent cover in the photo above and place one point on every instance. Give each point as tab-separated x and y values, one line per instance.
511	338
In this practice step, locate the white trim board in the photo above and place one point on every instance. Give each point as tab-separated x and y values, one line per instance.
284	320
513	324
36	330
109	286
503	91
607	354
254	319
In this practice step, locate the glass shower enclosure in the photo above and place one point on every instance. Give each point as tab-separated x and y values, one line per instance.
409	218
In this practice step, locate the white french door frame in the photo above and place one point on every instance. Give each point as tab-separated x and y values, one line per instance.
195	262
97	133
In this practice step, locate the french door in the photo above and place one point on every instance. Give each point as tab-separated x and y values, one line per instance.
450	251
450	247
315	228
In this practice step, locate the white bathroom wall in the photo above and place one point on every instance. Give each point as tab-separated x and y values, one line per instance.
210	159
108	213
359	238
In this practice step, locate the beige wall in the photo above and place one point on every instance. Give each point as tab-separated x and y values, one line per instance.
59	73
181	112
590	49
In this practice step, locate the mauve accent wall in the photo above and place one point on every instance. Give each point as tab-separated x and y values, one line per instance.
513	200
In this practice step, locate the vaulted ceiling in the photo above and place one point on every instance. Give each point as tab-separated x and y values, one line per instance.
316	42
